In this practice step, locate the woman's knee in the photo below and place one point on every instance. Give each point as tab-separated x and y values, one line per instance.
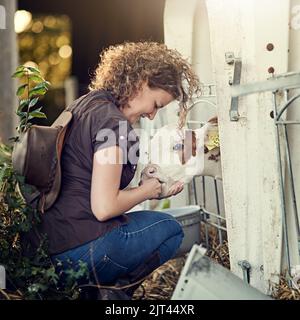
170	246
172	229
174	236
173	226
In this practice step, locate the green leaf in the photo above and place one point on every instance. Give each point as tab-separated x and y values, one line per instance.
39	109
38	90
33	102
18	74
39	86
36	78
22	104
21	114
20	68
37	114
21	89
47	84
34	70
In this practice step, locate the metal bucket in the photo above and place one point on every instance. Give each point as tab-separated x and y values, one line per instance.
189	218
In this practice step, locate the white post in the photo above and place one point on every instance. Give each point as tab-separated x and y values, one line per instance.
2	17
2	278
8	64
249	162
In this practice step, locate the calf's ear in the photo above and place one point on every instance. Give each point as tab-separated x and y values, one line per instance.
213	120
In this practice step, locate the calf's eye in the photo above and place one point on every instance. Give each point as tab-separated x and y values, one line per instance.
178	146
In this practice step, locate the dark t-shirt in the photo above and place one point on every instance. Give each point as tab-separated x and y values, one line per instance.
70	221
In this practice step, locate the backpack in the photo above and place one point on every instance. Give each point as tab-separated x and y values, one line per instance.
36	156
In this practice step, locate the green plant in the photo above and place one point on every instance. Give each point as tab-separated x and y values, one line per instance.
25	111
34	277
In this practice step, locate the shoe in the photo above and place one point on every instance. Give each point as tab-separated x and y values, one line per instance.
135	277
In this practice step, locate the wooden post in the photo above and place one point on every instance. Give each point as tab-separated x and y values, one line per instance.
8	63
249	159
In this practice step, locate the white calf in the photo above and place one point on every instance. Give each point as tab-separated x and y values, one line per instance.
184	154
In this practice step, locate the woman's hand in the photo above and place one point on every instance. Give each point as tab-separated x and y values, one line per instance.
176	188
152	188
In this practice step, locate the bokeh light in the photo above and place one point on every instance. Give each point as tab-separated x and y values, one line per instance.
46	41
22	20
37	27
65	51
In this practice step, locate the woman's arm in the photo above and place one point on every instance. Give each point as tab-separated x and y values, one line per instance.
107	201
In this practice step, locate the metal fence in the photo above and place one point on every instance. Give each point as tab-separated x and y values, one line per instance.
204	189
289	178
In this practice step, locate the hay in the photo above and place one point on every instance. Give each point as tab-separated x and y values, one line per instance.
161	284
282	291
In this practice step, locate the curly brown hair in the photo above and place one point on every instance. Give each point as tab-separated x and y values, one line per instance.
125	67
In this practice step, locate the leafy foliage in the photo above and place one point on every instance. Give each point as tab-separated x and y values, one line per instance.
34	87
35	277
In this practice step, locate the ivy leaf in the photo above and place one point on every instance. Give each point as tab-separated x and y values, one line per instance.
34	70
40	90
47	84
37	114
39	109
18	74
33	102
23	103
20	68
21	114
21	89
36	78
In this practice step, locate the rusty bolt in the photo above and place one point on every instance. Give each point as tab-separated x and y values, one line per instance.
271	70
270	46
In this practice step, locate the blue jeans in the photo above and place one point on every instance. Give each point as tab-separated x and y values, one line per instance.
124	248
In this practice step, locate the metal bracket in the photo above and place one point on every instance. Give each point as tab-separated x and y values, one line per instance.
246	267
290	80
237	70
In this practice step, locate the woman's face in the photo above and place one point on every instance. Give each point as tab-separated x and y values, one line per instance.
146	103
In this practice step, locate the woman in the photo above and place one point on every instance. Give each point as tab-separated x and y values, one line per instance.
88	220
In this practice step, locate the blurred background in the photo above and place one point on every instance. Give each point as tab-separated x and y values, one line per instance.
64	38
